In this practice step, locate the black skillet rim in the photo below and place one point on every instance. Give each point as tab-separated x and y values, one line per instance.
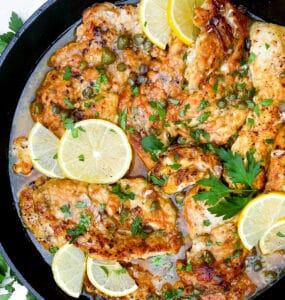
16	64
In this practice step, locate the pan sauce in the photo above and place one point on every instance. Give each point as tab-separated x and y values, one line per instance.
271	265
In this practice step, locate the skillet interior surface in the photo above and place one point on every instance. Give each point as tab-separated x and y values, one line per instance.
16	64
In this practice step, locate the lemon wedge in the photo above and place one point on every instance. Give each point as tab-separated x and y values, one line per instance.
68	268
153	18
43	146
110	278
180	15
258	216
94	151
273	238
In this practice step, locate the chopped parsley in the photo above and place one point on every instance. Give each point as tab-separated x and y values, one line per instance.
81	157
53	249
136	225
174	101
203	104
156	180
266	102
124	196
204	117
251	57
65	209
135	90
267	46
207	222
120	271
269	141
280	234
80	204
68	103
67	73
184	111
80	228
250	122
152	145
123	118
187	267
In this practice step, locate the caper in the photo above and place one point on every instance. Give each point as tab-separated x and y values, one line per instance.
257	266
222	103
132	79
138	39
88	92
123	42
147	45
121	67
141	79
208	257
282	106
83	65
143	69
179	197
154	205
241	105
55	109
37	108
108	56
269	275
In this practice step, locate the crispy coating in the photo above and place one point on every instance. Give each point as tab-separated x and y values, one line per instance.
276	170
184	166
23	165
52	208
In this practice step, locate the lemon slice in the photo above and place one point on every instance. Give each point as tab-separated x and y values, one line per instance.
68	268
98	153
110	278
43	146
273	238
153	18
180	15
258	216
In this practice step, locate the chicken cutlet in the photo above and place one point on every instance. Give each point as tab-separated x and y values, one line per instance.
88	75
122	222
266	68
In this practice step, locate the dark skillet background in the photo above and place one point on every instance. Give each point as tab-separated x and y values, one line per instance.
16	65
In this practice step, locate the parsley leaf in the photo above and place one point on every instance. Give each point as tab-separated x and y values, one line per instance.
67	73
222	200
236	169
173	294
229	207
15	22
218	190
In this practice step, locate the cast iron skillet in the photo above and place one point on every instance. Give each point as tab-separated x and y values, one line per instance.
16	64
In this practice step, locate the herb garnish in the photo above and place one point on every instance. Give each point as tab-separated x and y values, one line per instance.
124	196
67	73
65	209
224	201
14	25
152	145
156	180
68	103
123	118
80	228
203	104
